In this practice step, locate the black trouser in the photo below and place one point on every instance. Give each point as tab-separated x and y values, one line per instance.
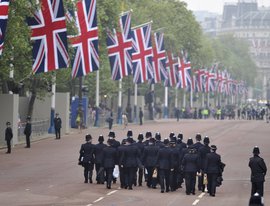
150	171
88	171
200	182
180	178
257	187
109	176
58	133
173	179
212	183
140	120
122	172
27	140
190	180
99	174
110	125
164	179
130	174
140	176
8	146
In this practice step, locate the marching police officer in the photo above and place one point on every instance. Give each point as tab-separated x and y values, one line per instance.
98	159
258	172
212	169
197	146
109	161
86	158
164	165
140	146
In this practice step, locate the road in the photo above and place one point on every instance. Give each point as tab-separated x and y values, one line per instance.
48	174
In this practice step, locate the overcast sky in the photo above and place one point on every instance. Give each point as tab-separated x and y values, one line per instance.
215	5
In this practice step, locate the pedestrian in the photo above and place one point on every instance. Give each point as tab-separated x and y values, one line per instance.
141	116
109	161
57	126
98	159
110	120
125	120
258	172
212	169
86	158
28	131
8	137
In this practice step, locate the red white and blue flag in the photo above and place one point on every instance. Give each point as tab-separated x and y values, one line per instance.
4	4
159	58
184	69
119	46
86	57
142	54
171	65
49	33
209	81
200	74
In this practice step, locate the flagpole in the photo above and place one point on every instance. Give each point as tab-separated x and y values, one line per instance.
165	104
51	128
184	100
119	112
191	98
135	102
153	102
96	124
141	25
208	98
203	100
176	98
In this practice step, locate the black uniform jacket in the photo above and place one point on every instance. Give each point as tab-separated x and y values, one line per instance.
164	158
109	157
258	168
213	163
99	152
87	153
150	155
8	134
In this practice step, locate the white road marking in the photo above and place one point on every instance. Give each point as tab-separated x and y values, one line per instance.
195	202
101	198
89	205
110	193
27	189
201	195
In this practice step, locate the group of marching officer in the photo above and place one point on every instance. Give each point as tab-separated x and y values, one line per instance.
167	163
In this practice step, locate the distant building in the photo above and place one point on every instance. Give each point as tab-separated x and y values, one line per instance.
245	20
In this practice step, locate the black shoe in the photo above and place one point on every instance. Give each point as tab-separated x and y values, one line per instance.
27	147
85	181
162	191
7	152
213	195
140	184
154	187
130	188
108	187
193	193
90	181
167	190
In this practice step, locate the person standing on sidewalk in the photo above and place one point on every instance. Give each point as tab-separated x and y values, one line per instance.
8	137
28	131
141	116
258	172
57	126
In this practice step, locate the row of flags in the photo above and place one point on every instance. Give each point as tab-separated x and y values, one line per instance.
132	51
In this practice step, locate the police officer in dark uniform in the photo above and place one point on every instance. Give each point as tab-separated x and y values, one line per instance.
28	131
98	159
191	167
159	143
258	172
175	164
203	151
150	155
140	146
148	135
57	126
180	145
120	151
130	161
115	143
197	146
8	137
212	169
164	165
109	161
86	158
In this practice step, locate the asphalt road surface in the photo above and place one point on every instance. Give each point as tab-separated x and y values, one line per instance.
48	174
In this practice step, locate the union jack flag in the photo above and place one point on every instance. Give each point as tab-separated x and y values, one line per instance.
86	57
142	54
171	65
209	82
3	21
119	46
159	58
49	32
184	69
201	79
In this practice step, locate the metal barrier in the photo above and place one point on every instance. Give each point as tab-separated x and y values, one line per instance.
39	128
